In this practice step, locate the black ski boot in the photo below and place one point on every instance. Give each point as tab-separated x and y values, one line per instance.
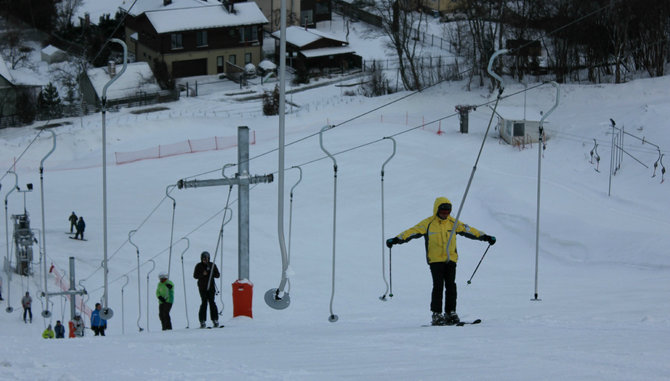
437	319
450	318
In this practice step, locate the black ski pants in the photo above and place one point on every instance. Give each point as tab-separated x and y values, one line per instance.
99	330
29	312
444	278
164	315
207	297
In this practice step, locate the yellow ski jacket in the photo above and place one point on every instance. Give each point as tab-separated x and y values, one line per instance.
436	232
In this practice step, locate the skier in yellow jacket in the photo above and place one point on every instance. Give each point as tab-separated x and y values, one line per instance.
436	230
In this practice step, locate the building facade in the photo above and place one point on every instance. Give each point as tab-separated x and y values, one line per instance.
195	37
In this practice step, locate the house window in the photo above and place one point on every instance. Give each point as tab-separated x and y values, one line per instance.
177	41
201	38
247	58
248	34
219	64
232	59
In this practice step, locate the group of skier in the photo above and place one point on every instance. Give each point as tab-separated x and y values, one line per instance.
77	224
438	231
205	272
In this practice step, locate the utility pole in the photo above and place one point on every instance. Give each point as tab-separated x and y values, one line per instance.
242	288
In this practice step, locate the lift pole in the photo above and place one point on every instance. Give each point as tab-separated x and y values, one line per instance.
242	179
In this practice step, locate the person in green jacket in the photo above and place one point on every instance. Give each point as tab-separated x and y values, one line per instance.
48	333
165	295
436	230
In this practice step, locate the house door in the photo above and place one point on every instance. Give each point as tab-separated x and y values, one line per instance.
189	68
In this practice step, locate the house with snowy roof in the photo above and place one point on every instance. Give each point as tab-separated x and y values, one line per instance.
14	85
195	37
136	86
316	49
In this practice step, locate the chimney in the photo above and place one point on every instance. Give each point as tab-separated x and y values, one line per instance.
111	68
167	2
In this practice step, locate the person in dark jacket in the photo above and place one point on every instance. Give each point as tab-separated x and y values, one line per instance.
81	226
98	324
435	230
205	272
165	295
26	302
73	222
59	329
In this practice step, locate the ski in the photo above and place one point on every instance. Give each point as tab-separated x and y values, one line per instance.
462	323
459	324
78	239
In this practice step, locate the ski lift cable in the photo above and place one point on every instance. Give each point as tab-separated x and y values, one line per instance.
126	241
8	171
332	318
183	276
168	189
148	274
481	148
220	235
387	292
539	174
123	313
139	287
285	266
43	247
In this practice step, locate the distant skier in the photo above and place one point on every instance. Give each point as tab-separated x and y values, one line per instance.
59	329
73	222
81	226
436	230
207	290
165	295
78	325
26	301
98	324
48	333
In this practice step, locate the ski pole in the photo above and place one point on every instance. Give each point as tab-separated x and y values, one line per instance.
480	262
390	275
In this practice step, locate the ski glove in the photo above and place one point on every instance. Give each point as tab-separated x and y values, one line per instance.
490	239
162	299
392	241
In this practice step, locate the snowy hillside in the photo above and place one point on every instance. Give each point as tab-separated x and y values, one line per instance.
603	268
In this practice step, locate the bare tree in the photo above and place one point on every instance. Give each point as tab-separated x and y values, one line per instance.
65	10
401	25
13	48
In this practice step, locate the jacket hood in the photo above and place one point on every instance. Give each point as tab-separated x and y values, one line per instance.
439	201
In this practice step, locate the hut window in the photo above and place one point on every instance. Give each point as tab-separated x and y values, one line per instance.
519	129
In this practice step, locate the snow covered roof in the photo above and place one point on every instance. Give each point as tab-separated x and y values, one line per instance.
143	6
300	36
517	113
137	77
50	49
267	65
204	17
195	14
4	71
322	52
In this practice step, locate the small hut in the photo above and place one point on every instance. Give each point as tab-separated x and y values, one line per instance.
519	125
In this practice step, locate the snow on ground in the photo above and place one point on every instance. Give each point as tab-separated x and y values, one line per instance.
603	263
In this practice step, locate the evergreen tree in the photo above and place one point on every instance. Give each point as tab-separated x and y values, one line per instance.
49	102
271	102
